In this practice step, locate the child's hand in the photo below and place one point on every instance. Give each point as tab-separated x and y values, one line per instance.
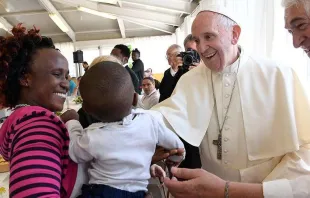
157	171
69	115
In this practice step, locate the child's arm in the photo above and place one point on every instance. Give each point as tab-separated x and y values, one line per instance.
167	138
79	148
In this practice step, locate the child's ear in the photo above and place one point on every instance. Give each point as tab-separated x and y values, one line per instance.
135	99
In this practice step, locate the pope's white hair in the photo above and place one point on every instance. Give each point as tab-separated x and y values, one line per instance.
304	3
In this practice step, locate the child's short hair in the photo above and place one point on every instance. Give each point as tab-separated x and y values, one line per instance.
107	91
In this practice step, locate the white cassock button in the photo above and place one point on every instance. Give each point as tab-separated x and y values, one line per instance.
225	151
226	162
226	107
226	128
226	75
226	139
227	95
227	84
226	118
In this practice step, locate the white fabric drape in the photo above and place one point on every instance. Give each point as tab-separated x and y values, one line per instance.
89	54
153	51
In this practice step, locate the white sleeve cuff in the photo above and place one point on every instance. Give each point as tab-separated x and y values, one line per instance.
277	188
73	126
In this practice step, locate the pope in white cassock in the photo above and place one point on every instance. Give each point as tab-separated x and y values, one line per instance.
249	116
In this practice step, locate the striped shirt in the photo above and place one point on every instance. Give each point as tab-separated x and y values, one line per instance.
36	142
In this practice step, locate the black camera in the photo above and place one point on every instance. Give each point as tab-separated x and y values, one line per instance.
189	57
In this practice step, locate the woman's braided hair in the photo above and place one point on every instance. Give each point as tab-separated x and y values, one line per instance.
16	55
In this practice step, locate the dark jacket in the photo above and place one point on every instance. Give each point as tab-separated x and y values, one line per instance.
157	84
134	79
138	68
166	86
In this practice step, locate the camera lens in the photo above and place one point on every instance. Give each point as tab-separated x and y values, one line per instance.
188	60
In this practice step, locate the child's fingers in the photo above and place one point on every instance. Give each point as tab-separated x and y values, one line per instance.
153	171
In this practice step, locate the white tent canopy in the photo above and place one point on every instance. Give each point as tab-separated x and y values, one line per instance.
84	20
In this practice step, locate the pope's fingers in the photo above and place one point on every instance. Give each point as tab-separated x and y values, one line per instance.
184	173
175	187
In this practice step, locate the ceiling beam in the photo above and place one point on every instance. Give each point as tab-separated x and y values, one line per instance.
4	24
156	26
97	31
34	12
121	23
141	14
126	12
121	27
49	7
170	6
104	43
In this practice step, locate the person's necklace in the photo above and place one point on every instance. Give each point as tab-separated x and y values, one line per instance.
218	142
19	106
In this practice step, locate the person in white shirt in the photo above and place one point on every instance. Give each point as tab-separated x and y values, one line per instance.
121	146
249	116
150	96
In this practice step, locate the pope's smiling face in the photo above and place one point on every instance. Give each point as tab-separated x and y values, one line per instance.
215	41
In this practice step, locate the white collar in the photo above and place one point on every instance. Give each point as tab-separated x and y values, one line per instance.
126	64
233	68
172	72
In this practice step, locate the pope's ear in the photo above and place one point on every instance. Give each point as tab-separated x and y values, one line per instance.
236	31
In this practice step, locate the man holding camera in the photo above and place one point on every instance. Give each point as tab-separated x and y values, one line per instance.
168	82
180	63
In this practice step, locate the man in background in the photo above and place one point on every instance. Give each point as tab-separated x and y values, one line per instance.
150	96
168	82
85	66
190	43
138	67
122	52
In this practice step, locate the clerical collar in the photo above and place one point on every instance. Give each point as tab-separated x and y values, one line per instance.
126	64
232	68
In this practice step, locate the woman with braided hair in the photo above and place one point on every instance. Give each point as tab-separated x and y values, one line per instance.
34	83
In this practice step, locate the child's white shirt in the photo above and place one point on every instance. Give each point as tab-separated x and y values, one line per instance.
120	153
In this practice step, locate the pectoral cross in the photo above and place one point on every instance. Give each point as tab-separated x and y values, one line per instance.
218	143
